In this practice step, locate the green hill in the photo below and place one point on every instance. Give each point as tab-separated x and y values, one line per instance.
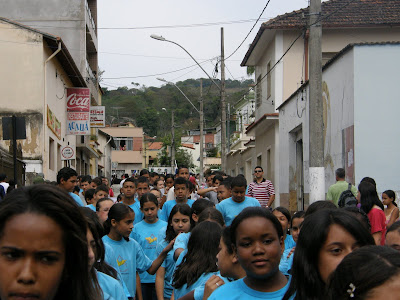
143	105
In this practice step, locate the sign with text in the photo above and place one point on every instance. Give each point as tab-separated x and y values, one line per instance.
78	111
67	153
98	116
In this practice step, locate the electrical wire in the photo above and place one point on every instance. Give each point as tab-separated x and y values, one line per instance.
240	45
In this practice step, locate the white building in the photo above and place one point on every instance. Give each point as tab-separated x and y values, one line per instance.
361	105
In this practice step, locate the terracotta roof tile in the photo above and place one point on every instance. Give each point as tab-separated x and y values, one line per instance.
337	14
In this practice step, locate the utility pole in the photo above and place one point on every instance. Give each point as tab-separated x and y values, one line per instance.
172	143
223	108
316	122
201	132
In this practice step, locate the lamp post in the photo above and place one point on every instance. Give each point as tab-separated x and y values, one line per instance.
172	141
201	122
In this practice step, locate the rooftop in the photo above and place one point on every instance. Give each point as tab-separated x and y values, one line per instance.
337	14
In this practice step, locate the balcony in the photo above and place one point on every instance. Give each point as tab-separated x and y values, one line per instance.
91	80
91	30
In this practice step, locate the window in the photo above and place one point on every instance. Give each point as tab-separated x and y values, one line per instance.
124	143
51	154
59	162
269	80
258	92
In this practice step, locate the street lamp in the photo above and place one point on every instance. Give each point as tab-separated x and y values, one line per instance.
201	124
163	39
172	140
221	89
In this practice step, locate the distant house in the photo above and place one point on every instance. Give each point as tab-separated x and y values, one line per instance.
360	99
127	156
278	74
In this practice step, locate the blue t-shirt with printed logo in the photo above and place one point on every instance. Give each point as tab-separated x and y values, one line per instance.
146	235
168	206
182	291
130	258
111	288
230	209
236	290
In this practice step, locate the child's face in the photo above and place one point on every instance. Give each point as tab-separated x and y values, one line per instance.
160	184
216	183
142	188
238	193
223	193
258	247
181	192
393	240
169	182
338	244
124	227
91	248
225	260
386	200
32	258
100	194
295	230
282	219
180	223
157	194
149	211
129	189
210	181
104	209
93	185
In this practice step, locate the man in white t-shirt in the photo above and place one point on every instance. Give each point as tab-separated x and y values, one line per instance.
3	182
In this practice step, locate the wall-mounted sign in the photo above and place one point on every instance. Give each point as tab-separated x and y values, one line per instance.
78	111
67	153
98	116
53	123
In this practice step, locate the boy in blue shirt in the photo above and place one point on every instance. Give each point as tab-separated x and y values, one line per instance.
232	206
181	190
129	191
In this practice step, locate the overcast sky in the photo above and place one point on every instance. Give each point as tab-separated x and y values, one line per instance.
133	54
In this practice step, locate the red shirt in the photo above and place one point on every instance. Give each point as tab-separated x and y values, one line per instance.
261	191
377	219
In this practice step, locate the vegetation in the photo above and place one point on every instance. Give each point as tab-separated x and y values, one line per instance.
144	105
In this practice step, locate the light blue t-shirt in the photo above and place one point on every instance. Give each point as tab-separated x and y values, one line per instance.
77	199
146	235
111	259
130	258
236	290
286	263
92	207
178	293
230	209
199	291
169	266
289	242
112	289
168	206
181	241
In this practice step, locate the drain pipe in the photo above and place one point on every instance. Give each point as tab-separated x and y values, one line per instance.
44	169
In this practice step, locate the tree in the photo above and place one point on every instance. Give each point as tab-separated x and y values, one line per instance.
182	156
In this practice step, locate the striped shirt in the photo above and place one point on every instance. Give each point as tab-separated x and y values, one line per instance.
261	191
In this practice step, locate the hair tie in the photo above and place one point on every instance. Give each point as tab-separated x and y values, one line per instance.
351	290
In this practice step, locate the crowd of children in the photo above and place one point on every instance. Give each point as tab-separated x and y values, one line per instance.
223	245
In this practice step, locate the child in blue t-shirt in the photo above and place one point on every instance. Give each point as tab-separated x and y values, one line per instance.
130	255
232	206
179	223
258	240
200	262
145	233
129	191
284	217
181	190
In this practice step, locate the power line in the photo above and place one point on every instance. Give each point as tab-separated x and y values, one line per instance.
149	27
240	45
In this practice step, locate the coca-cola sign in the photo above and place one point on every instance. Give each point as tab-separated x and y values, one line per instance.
78	99
78	111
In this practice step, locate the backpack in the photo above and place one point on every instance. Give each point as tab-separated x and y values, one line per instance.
347	199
